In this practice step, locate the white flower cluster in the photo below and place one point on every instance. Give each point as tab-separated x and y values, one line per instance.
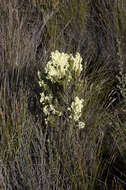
45	99
81	125
41	82
60	65
76	109
48	107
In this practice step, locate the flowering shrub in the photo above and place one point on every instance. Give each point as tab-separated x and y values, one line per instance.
61	87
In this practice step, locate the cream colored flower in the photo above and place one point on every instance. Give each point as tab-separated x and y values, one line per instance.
42	84
61	66
45	99
77	104
58	65
76	107
81	125
60	59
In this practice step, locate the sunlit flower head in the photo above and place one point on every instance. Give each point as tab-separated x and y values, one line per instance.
58	65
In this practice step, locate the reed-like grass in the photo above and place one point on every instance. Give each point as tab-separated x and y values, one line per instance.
34	155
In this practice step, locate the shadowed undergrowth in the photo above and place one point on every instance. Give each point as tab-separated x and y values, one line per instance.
34	155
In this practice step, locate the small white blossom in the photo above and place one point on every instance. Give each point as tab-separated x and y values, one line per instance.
45	99
76	107
42	84
81	125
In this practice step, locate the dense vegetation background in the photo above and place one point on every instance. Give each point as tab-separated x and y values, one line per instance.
32	155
